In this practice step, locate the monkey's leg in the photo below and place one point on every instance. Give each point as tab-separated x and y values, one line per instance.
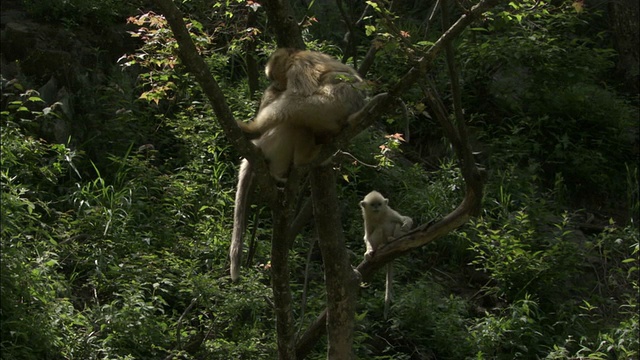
268	117
277	145
305	147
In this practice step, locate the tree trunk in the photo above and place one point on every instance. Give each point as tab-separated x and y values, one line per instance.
280	280
340	279
285	24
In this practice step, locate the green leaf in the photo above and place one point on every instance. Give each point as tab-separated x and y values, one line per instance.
51	263
35	99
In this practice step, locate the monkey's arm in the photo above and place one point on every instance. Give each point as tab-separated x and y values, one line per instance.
373	239
407	223
357	119
395	217
403	223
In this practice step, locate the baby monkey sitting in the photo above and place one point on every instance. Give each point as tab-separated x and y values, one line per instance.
381	223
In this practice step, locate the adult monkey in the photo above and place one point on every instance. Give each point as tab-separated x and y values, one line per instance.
317	92
382	224
310	99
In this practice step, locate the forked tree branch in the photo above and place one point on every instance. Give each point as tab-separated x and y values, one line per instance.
472	175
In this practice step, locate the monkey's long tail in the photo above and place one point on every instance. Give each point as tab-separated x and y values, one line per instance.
245	178
388	291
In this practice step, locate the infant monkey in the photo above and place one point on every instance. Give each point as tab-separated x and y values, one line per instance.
381	223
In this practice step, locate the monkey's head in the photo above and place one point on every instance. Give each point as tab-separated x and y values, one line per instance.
277	66
374	202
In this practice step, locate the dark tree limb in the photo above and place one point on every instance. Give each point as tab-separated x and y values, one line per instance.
305	214
305	285
463	147
196	65
283	211
367	61
179	328
252	240
382	103
453	32
624	21
283	22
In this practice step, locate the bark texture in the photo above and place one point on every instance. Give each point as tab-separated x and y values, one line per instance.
340	279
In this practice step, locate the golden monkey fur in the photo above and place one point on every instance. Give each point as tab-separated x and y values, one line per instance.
317	92
310	99
381	224
285	144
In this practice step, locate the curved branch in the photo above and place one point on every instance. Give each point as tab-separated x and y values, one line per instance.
419	237
349	37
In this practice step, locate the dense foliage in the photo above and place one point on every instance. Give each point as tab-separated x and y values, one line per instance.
114	244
